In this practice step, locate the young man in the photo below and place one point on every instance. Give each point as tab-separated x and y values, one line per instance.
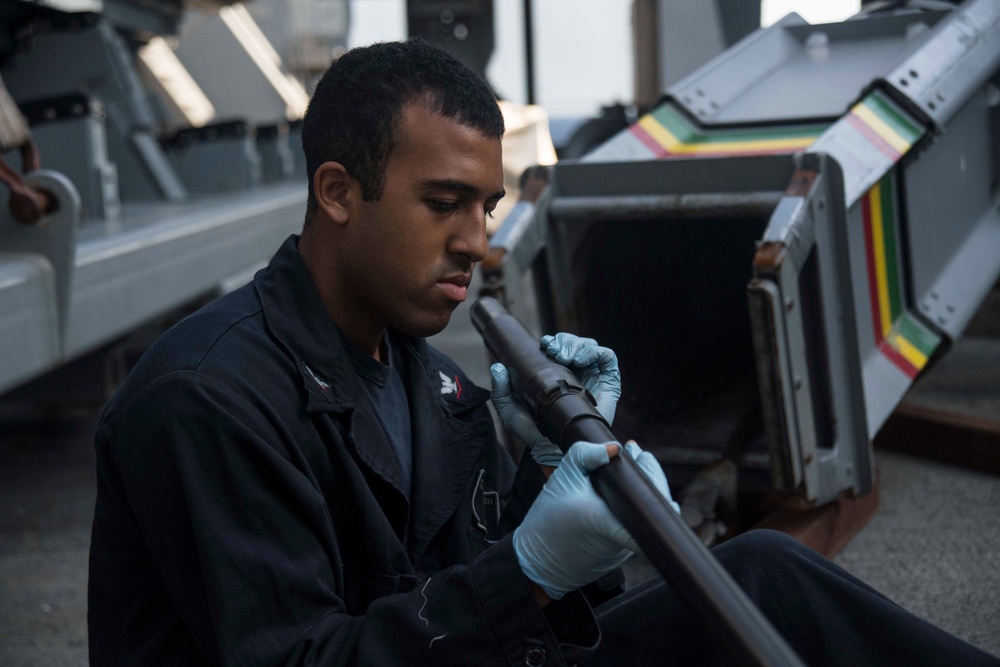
293	476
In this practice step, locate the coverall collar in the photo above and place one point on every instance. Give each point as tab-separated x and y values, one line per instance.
296	316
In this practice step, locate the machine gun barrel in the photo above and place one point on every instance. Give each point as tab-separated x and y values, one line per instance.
565	413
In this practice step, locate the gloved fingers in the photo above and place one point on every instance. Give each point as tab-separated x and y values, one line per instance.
586	457
653	470
596	366
607	405
561	343
501	394
546	453
512	414
566	347
649	465
572	350
576	351
500	379
602	359
607	361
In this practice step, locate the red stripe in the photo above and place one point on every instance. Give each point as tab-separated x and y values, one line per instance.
899	360
650	142
873	137
866	217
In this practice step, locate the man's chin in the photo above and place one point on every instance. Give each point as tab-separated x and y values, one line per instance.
425	327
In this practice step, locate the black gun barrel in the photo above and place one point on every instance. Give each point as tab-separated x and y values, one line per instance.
565	413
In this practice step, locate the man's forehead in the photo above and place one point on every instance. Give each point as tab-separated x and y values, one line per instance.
419	116
444	147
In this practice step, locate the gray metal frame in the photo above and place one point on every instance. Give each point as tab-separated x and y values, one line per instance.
908	98
794	71
65	291
94	270
36	281
792	364
96	59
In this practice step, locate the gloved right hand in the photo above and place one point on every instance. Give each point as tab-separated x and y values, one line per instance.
569	537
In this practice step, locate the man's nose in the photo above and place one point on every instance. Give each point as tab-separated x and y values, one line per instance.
469	238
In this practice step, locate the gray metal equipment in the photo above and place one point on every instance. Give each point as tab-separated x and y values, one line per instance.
143	216
464	28
781	246
94	59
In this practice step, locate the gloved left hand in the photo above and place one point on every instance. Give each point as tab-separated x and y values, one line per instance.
569	537
597	368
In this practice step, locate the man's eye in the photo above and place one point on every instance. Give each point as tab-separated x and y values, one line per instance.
489	213
442	206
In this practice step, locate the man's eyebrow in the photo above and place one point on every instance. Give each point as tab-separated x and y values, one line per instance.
457	186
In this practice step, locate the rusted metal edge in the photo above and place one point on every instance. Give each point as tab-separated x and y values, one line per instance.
719	205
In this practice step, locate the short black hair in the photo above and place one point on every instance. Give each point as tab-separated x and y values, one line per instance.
357	105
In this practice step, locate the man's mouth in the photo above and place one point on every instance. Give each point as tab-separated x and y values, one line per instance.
456	286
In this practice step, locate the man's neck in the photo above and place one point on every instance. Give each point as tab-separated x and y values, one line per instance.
376	348
366	336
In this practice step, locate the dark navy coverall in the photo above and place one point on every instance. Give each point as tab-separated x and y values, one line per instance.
249	510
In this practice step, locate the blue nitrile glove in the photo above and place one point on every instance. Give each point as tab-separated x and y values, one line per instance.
517	420
569	537
596	366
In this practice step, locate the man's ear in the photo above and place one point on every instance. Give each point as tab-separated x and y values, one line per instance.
332	185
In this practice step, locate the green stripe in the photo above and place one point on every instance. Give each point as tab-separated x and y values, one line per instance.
893	114
889	234
919	336
687	133
894	118
671	119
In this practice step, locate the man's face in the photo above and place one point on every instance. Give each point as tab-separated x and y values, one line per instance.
412	253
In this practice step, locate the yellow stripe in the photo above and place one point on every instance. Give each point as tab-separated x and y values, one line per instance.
909	352
673	145
792	143
881	128
881	274
660	134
